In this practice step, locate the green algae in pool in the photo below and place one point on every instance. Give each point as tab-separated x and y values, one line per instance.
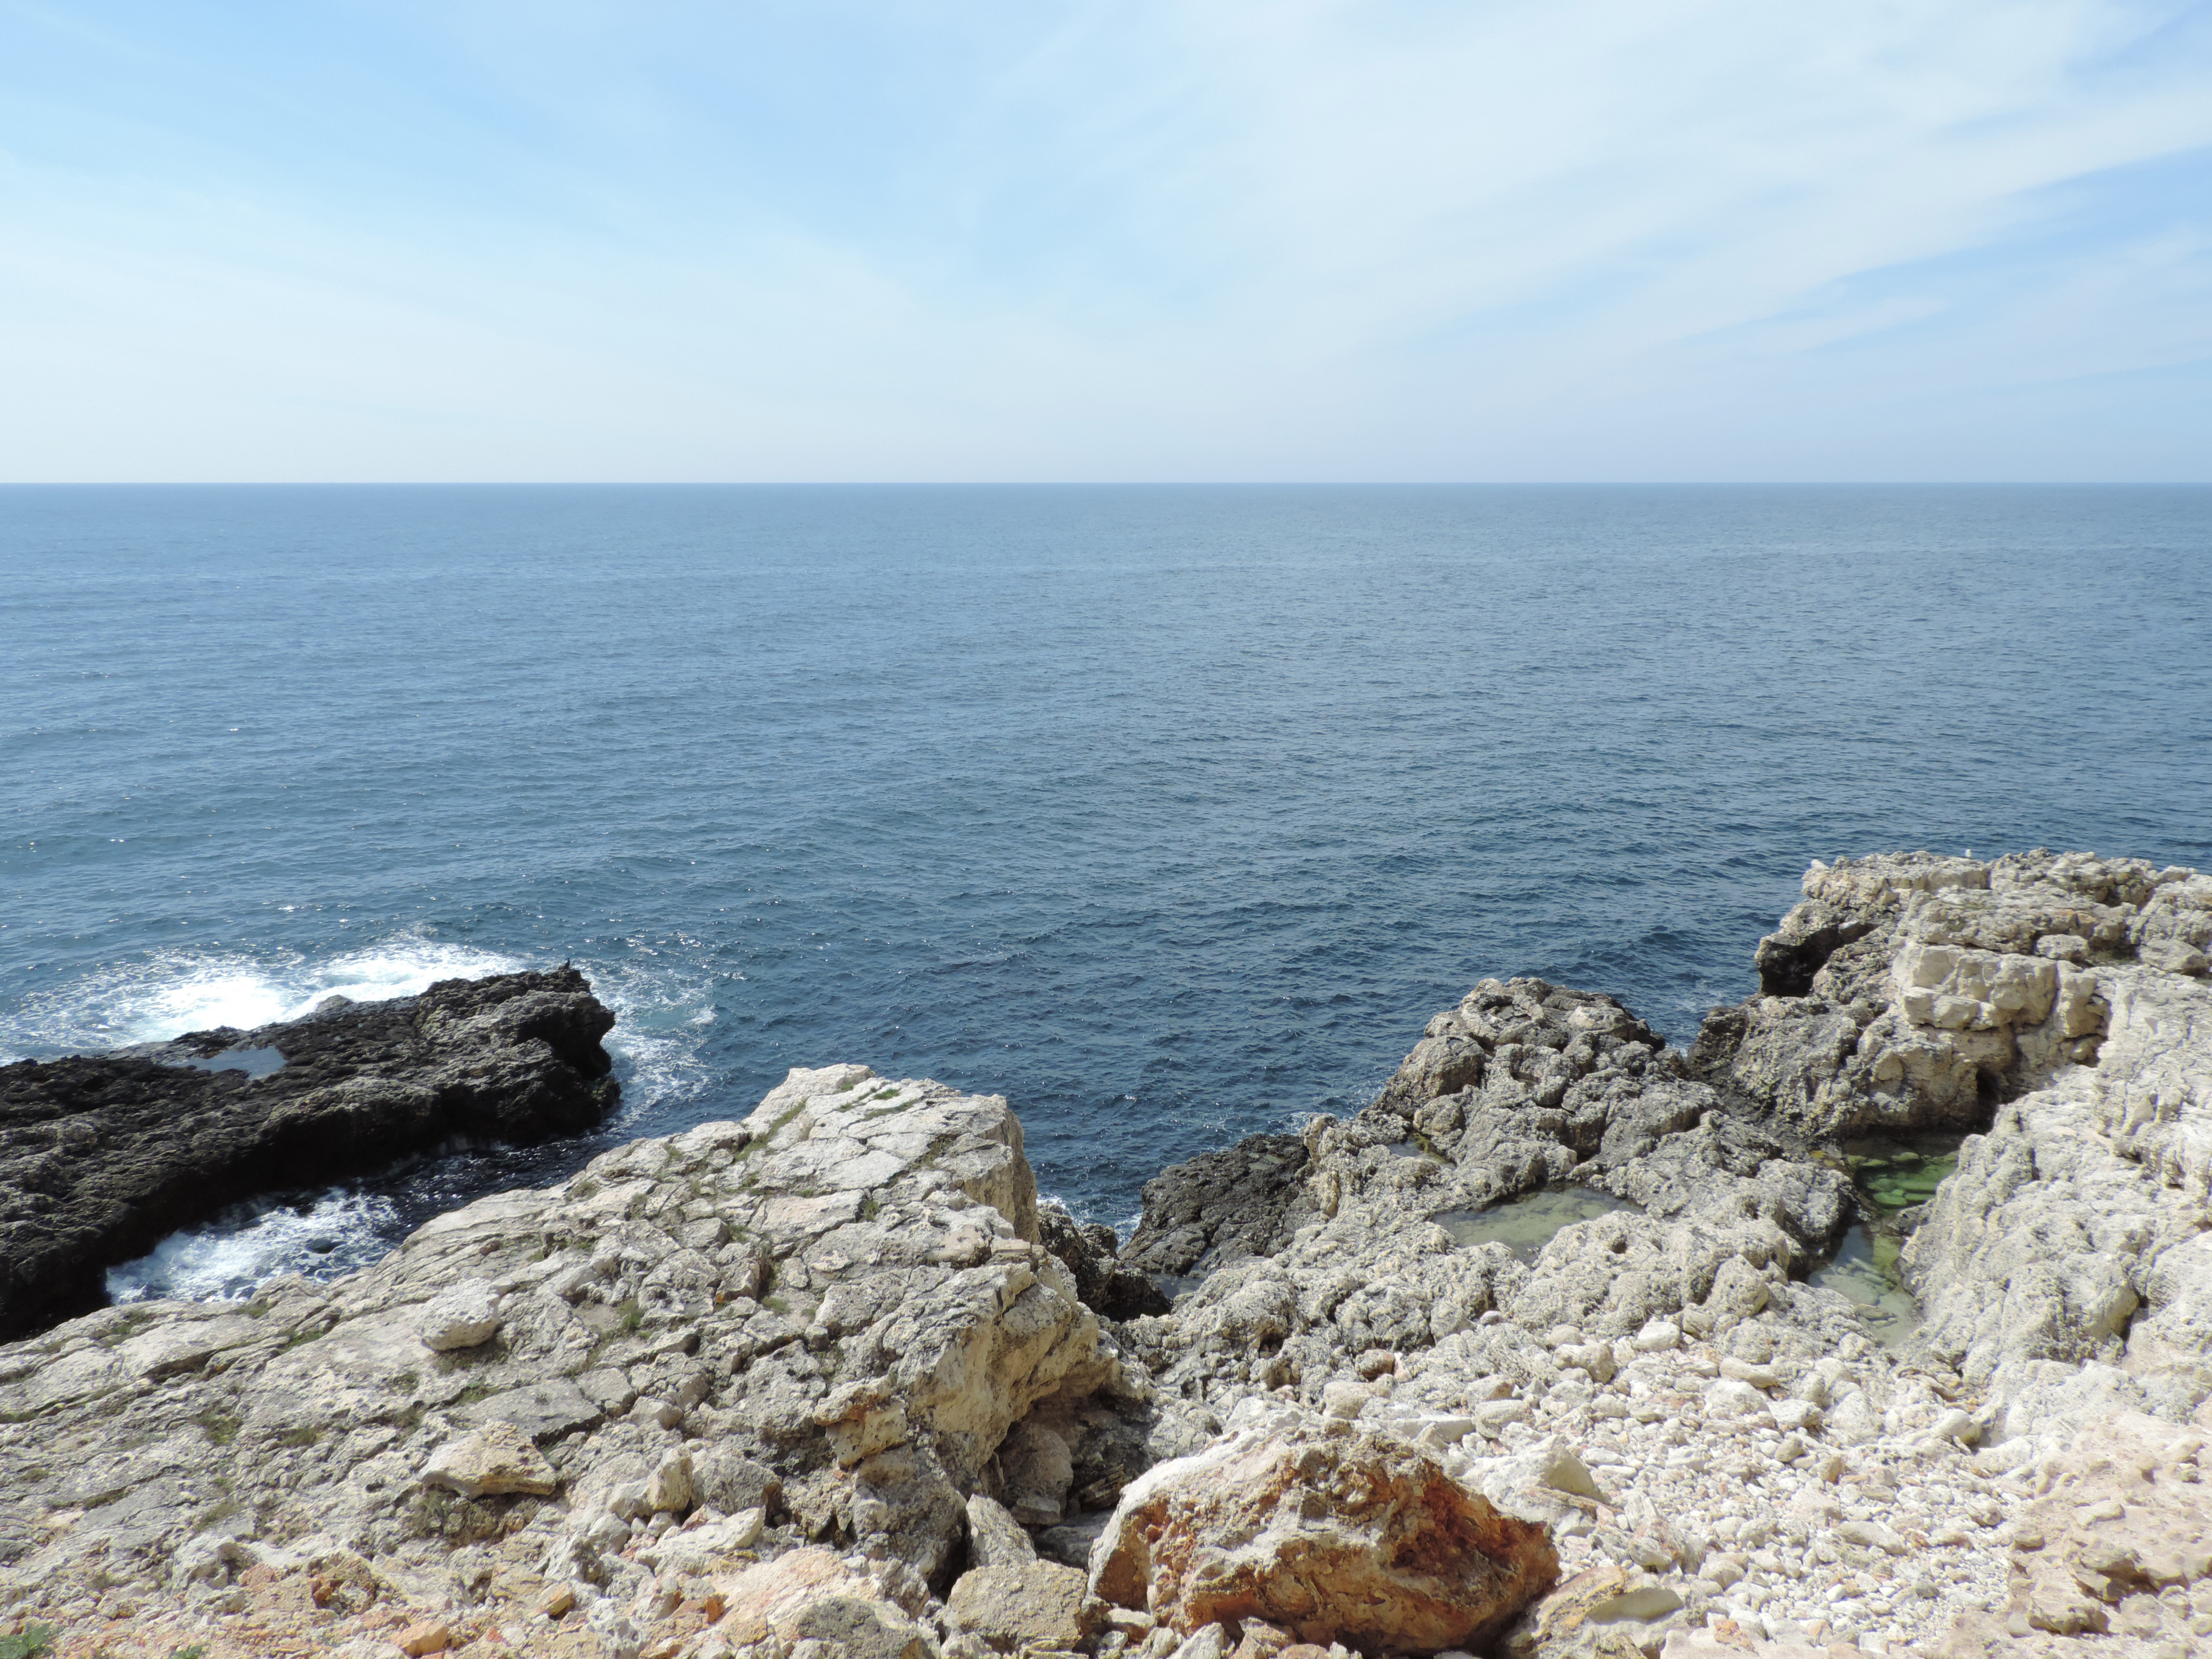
1525	1224
1864	1268
1890	1176
1893	1174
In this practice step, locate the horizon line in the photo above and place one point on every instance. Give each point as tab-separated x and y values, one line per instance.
1105	484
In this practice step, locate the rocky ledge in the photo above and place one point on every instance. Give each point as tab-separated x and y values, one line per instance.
102	1156
824	1384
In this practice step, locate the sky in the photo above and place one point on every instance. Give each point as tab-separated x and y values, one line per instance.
1225	240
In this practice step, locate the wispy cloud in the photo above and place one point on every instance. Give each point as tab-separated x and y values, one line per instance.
1580	240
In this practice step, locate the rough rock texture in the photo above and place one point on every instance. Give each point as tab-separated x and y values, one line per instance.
1217	1207
101	1158
1748	1448
832	1313
1329	1531
2068	1257
1910	990
1089	1252
1021	1605
2117	1544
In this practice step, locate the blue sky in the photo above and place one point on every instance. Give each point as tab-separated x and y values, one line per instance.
1574	239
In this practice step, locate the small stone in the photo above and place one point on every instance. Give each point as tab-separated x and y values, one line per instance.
1343	1398
995	1539
669	1488
1871	1535
1730	1397
1658	1335
556	1600
428	1636
1492	1416
1956	1425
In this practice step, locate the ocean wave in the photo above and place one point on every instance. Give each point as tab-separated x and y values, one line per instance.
169	993
663	1010
227	1260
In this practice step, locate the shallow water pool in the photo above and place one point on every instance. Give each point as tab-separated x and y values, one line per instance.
1525	1224
254	1062
1864	1268
1891	1175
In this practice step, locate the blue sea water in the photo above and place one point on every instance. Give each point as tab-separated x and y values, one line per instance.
1171	813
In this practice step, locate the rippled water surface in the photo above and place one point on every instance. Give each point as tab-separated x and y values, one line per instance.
1171	813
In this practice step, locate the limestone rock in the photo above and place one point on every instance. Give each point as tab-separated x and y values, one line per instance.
1599	1614
1938	980
2115	1556
995	1539
812	1594
2071	1232
675	1323
495	1461
463	1315
1021	1605
1329	1531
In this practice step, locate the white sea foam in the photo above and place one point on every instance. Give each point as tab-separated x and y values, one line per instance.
172	992
338	1233
662	1013
663	1010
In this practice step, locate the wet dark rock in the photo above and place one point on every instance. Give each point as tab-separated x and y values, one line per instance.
1218	1207
103	1156
1088	1251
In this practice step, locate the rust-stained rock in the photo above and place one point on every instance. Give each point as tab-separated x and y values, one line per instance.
1327	1530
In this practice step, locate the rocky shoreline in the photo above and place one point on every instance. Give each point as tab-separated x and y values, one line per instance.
101	1157
830	1383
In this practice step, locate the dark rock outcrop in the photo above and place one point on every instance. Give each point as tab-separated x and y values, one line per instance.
1218	1207
102	1156
1087	1250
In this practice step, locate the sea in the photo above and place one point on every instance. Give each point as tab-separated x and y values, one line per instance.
1169	813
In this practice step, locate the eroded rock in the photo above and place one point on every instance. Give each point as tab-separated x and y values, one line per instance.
1332	1533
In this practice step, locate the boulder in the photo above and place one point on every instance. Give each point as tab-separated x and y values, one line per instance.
812	1594
463	1315
1326	1529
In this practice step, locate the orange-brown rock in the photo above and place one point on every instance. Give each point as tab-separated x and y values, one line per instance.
1333	1533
